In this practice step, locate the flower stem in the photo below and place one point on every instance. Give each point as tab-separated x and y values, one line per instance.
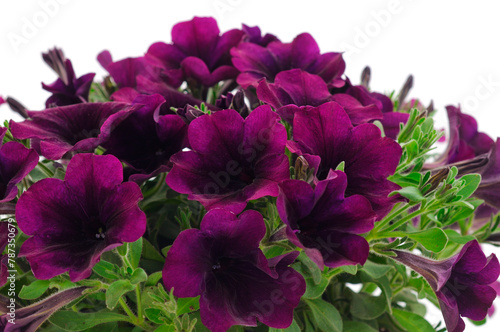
127	310
140	317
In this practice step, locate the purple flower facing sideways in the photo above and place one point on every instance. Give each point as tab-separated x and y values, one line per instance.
72	222
489	188
256	62
16	161
462	283
237	284
324	222
198	51
232	160
253	35
54	132
296	89
67	89
147	138
325	137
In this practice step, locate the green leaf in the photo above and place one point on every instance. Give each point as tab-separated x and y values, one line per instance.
353	326
294	327
154	314
116	290
367	307
412	193
433	239
188	304
166	328
139	275
77	321
106	270
384	285
471	182
154	278
134	253
150	252
376	270
455	237
34	290
313	289
412	322
310	267
326	316
340	167
351	269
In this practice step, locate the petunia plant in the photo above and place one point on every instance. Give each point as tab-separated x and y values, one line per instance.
231	181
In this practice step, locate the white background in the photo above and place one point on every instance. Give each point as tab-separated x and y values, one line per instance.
451	47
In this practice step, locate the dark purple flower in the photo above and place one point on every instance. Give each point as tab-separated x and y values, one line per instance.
2	101
147	138
72	222
325	137
461	283
30	318
253	35
489	188
296	89
16	161
232	160
67	89
465	141
324	222
199	51
234	101
222	262
256	62
75	128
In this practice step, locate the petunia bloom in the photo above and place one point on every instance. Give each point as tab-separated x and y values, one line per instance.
67	89
147	138
461	283
72	222
489	188
256	62
16	161
253	35
198	51
232	160
70	129
325	137
324	222
237	285
296	89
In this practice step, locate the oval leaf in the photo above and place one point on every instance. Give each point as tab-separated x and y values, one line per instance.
115	291
412	322
326	316
77	321
433	239
34	290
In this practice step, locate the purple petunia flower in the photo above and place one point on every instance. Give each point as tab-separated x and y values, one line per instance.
489	188
256	62
72	222
222	262
232	160
324	223
253	35
70	129
325	137
2	101
198	51
462	282
296	89
147	138
16	161
67	89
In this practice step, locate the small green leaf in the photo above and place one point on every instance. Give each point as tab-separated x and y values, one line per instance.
106	270
188	304
412	322
166	328
122	250
351	269
353	326
471	182
154	314
34	290
340	167
376	270
326	316
455	237
139	275
433	239
367	307
116	290
294	327
134	253
150	252
154	278
77	321
412	193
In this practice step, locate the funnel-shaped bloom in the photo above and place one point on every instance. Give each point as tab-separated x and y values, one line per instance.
324	222
222	262
232	160
16	161
75	128
325	137
256	62
72	222
462	282
67	89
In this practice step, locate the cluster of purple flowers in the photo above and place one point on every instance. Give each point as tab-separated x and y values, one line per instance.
225	116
